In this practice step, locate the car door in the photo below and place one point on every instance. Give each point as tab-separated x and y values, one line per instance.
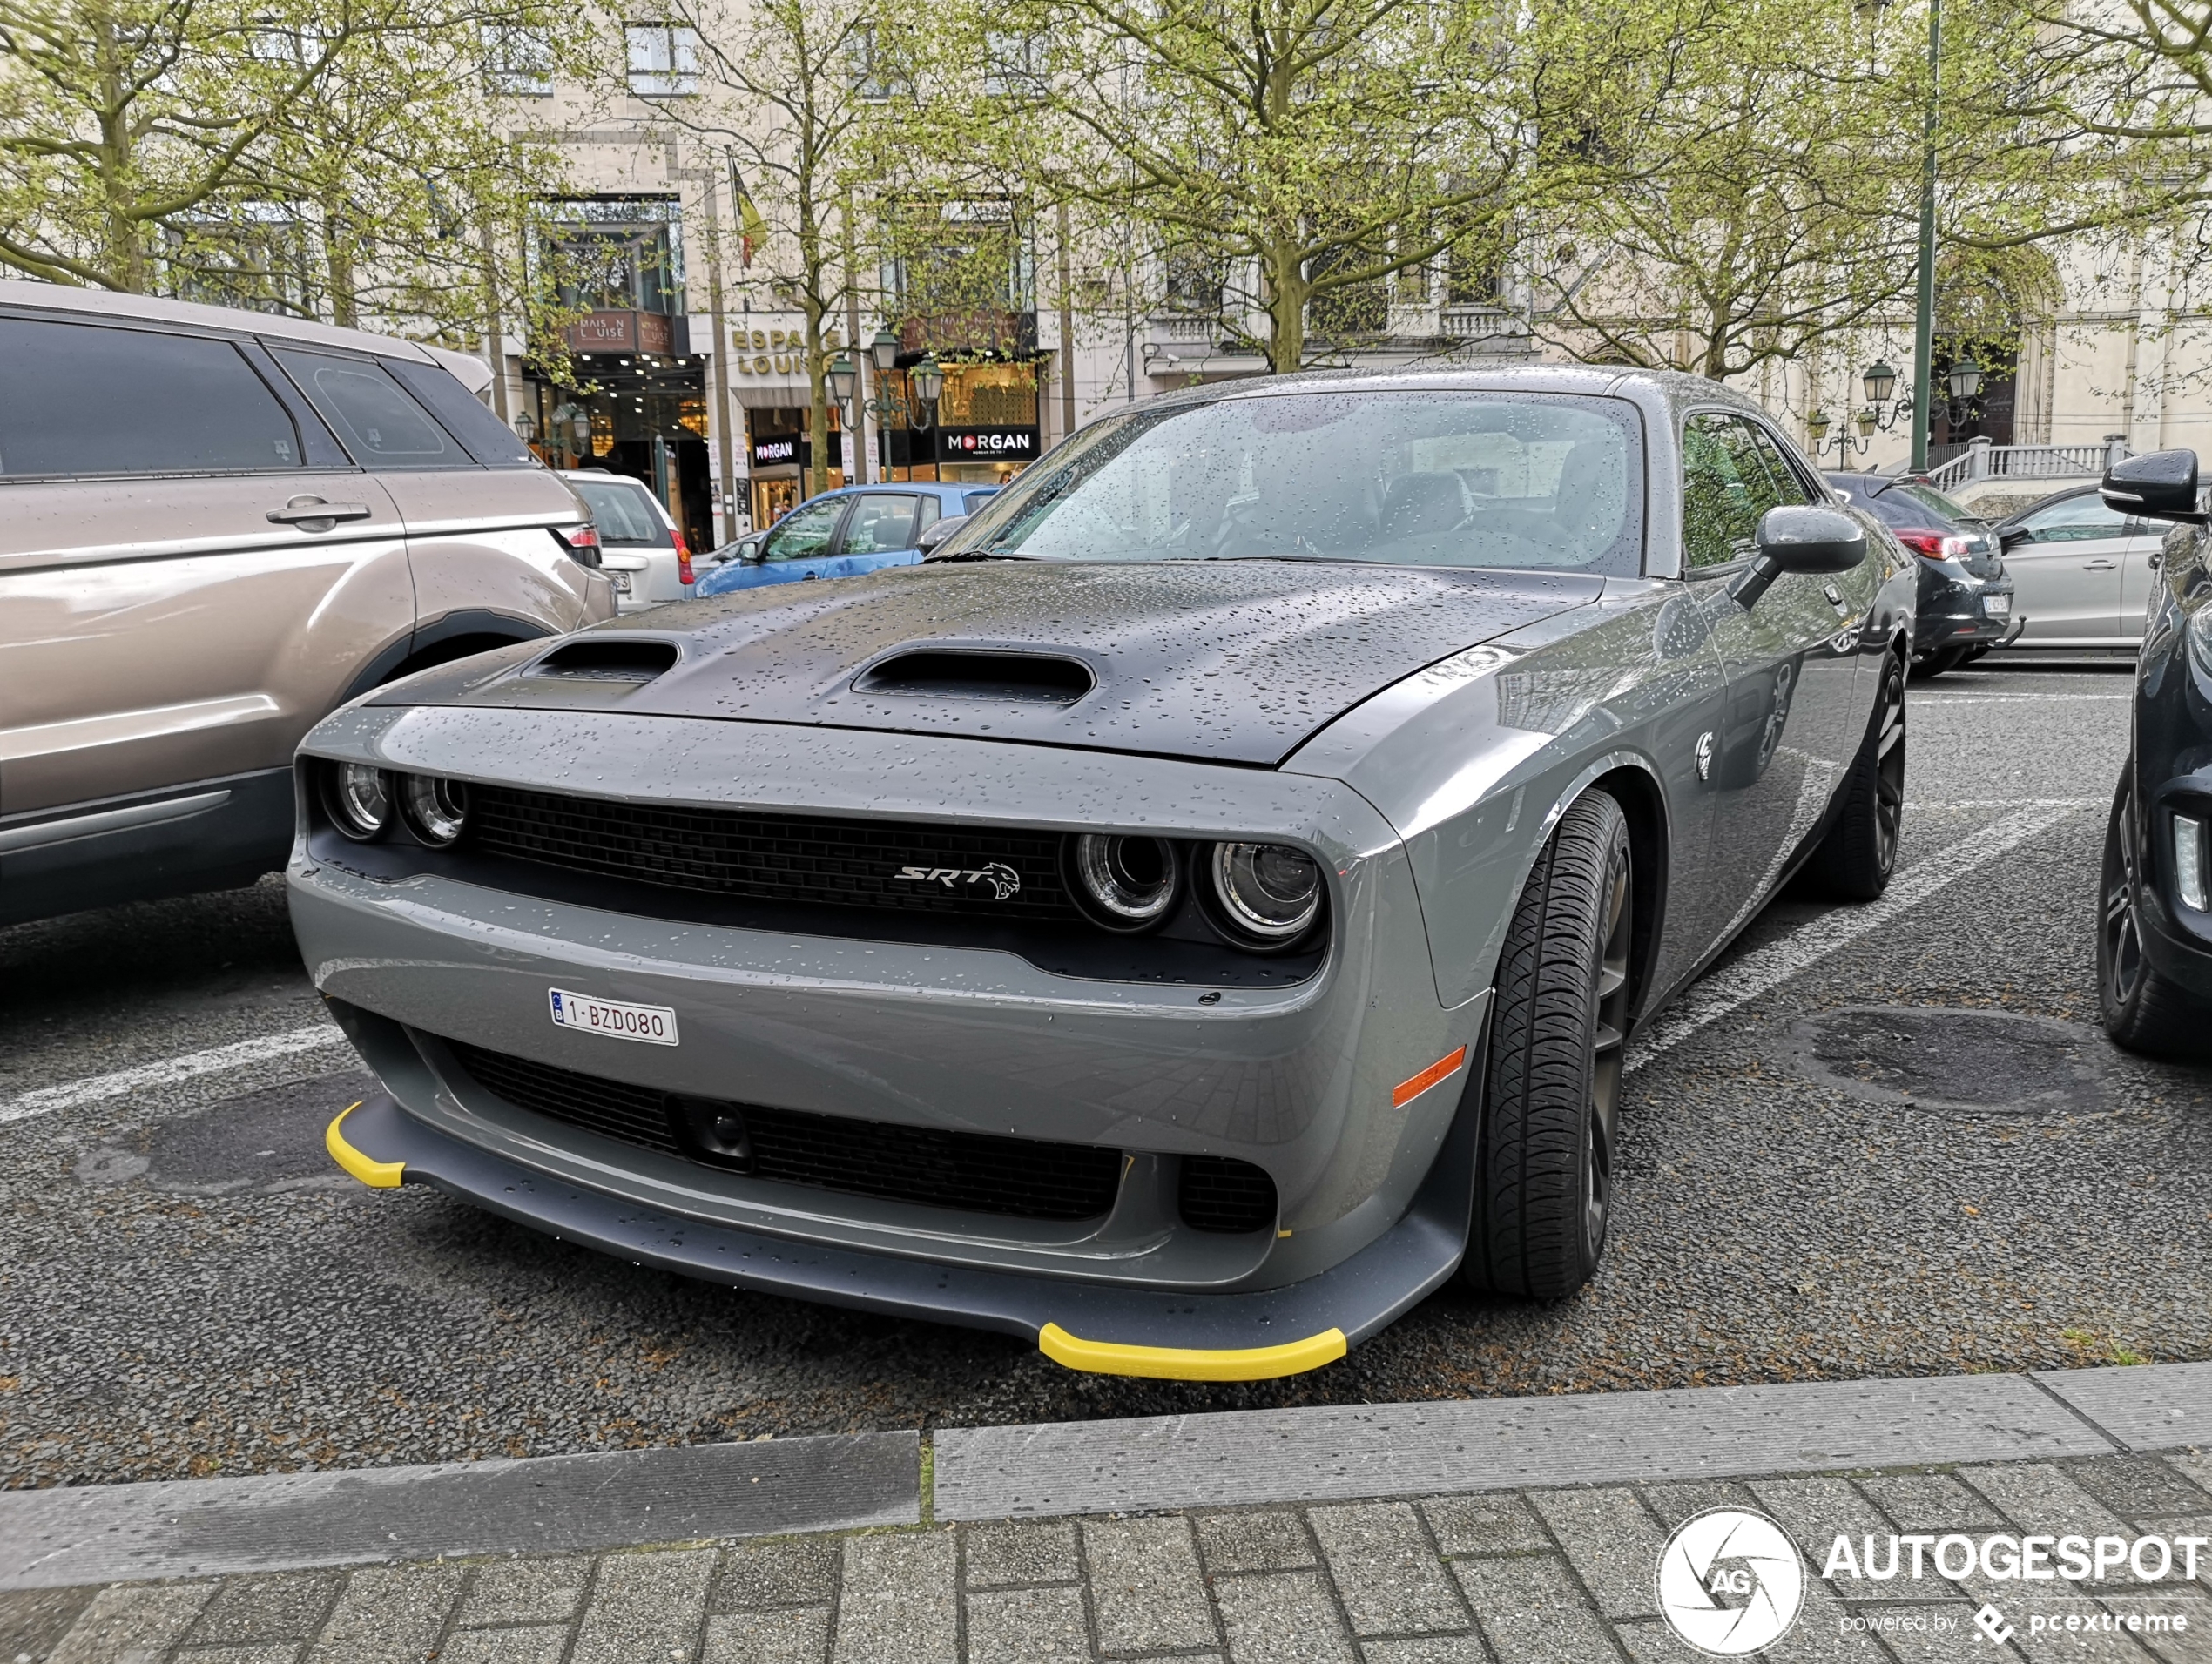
882	530
1793	716
802	544
2068	561
173	608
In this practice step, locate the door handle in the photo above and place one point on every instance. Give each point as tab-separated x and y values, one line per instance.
313	513
2099	566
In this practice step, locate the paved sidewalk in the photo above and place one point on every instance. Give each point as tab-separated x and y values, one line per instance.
1556	1565
1527	1577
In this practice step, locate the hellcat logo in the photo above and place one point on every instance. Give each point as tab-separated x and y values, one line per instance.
1005	882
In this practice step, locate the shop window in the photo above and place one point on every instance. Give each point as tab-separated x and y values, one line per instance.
606	264
664	60
989	395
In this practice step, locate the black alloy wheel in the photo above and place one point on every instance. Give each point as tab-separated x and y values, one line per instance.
1855	860
2142	1010
1551	1129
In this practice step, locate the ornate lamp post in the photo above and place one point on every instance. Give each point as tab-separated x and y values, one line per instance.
1878	415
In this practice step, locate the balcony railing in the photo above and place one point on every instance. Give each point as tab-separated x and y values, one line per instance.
1479	323
1979	459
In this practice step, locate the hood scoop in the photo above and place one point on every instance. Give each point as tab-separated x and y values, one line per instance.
609	658
939	673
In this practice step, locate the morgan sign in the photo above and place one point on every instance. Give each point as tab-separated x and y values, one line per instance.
986	444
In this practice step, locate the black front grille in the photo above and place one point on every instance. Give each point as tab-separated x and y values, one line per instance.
976	1172
1221	1193
779	857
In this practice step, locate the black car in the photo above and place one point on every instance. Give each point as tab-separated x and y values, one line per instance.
1965	597
2155	925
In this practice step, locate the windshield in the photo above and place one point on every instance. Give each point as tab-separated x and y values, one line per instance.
1922	505
1402	479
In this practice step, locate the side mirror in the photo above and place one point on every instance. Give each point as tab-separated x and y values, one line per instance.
939	532
1800	538
2160	485
2011	536
754	551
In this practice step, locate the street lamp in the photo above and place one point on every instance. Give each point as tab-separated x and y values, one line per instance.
526	428
884	350
928	380
1880	381
1965	381
841	379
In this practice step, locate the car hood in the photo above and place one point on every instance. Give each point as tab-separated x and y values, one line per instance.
1236	661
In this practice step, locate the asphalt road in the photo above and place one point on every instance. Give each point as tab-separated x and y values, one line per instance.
1876	1142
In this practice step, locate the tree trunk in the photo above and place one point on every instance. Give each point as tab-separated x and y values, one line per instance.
126	256
1284	273
817	476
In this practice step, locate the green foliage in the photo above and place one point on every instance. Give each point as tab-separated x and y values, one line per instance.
343	160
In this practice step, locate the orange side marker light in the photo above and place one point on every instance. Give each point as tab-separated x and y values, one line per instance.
1443	1070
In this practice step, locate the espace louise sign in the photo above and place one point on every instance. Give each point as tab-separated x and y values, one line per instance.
986	444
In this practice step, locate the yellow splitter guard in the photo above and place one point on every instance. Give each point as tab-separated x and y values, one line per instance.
1082	1326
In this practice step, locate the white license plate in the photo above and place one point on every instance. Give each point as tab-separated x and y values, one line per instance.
1997	606
620	580
654	1025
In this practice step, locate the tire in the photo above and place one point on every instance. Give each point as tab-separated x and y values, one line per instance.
1855	860
1551	1117
2142	1010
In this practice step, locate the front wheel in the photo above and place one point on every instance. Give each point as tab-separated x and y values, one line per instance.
2143	1011
1855	860
1551	1123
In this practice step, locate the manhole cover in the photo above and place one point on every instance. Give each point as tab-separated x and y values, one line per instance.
1953	1060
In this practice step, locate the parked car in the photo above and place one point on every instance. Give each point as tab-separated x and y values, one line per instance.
2084	571
1185	922
640	548
2154	916
1967	601
841	534
214	527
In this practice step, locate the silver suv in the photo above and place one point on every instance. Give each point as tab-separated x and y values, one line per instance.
215	526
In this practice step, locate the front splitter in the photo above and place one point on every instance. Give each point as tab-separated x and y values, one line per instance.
1093	1327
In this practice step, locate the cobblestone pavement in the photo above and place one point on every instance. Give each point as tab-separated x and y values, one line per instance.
1535	1576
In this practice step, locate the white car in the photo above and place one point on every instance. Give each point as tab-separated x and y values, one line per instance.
2082	572
640	549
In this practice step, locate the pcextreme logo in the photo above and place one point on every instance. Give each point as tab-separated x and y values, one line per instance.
1730	1582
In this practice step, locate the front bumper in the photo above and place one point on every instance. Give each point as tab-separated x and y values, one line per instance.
1249	1337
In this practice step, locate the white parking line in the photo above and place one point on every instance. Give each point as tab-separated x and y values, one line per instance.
70	1094
1924	699
1752	975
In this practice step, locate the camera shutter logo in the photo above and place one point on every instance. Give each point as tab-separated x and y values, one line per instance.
1730	1582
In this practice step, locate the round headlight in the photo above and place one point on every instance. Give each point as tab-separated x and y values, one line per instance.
1125	883
360	800
1270	891
436	809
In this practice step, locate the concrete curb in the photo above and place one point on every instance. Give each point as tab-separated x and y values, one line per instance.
106	1534
88	1534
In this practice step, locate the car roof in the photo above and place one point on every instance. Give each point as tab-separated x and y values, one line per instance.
471	372
607	477
935	487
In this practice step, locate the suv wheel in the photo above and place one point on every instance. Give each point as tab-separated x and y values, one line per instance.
1551	1121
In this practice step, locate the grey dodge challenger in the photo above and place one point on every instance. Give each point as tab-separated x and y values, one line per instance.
1185	921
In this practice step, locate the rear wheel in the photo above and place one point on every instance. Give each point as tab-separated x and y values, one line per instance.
1855	860
2143	1011
1551	1121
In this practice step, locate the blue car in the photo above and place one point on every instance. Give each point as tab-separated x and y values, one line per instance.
842	534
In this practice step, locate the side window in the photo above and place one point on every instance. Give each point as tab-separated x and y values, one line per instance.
372	414
490	440
804	533
1725	490
881	525
2075	519
92	399
976	500
1787	487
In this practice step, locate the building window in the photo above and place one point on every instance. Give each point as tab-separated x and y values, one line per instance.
615	254
518	61
1014	64
664	60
